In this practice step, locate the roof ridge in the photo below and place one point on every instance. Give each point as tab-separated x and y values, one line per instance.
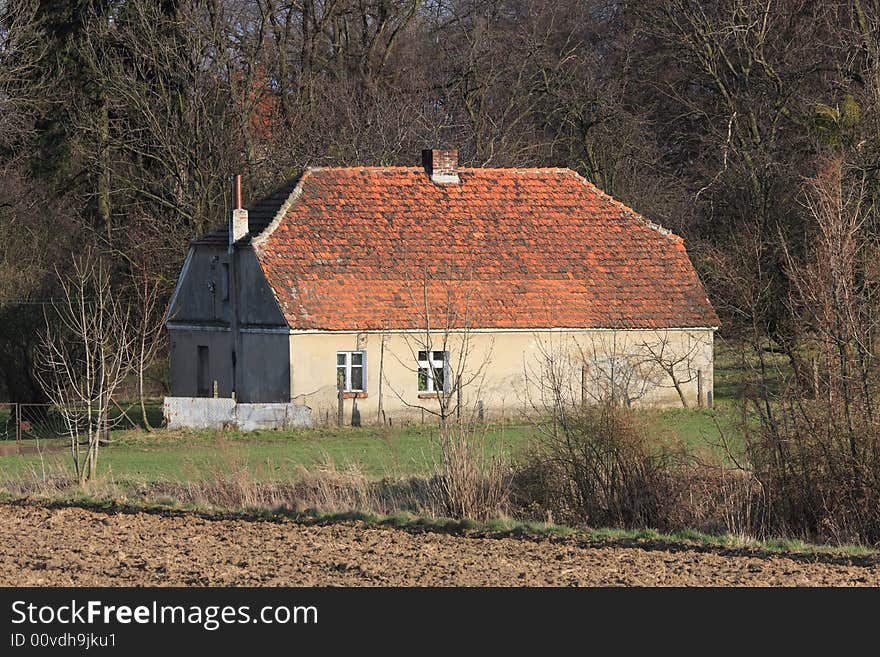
365	167
295	193
309	170
393	167
653	225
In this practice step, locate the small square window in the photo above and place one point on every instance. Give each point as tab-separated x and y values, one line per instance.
350	374
433	373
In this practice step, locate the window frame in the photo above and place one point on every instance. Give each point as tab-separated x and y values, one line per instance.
431	363
347	368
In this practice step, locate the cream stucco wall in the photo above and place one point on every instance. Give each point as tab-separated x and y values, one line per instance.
503	369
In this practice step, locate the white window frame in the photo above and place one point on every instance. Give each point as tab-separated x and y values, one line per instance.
431	363
347	367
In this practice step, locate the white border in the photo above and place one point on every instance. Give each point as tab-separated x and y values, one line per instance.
496	330
287	331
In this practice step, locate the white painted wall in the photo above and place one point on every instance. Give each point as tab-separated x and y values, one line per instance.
504	368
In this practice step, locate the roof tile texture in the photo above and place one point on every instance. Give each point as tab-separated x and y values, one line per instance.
386	248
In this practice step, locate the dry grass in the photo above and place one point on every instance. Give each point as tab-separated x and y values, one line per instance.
472	480
603	466
607	468
322	489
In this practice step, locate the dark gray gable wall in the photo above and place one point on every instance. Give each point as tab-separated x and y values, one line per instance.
201	315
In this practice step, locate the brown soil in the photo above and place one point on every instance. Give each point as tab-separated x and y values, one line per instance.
73	546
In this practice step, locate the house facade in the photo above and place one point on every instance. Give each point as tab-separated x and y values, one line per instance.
383	293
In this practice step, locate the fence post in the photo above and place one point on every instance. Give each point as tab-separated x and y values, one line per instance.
340	401
584	383
700	388
17	422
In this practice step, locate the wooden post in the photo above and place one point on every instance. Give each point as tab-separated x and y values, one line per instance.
584	373
380	412
18	422
700	388
340	401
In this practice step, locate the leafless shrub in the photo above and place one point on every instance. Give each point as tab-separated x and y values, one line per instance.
598	465
473	479
816	449
817	487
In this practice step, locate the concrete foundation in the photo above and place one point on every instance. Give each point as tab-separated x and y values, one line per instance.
224	413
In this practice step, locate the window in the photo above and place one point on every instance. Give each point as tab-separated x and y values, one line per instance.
433	371
225	281
350	370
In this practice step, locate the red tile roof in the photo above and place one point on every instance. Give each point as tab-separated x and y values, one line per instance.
372	248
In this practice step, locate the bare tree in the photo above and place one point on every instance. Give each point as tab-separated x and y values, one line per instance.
22	84
816	447
608	367
834	294
86	353
148	321
614	369
676	360
443	307
471	473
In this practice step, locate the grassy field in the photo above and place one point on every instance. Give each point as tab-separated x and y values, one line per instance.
163	455
279	455
275	455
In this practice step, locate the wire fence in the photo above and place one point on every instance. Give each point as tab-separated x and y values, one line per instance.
46	421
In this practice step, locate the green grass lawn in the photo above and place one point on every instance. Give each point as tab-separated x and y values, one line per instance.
279	455
702	432
403	451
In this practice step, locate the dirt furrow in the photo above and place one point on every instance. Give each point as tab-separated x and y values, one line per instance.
73	546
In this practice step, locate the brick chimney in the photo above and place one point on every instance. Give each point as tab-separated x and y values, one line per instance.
441	165
238	222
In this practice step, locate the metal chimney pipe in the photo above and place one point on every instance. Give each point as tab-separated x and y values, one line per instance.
236	193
